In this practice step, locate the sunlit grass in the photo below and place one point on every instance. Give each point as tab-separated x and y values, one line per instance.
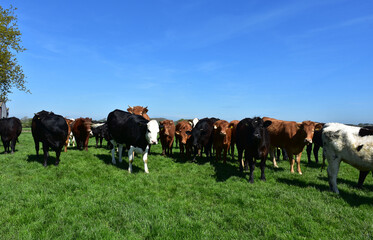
86	197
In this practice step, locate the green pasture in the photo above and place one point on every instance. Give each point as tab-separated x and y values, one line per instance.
86	197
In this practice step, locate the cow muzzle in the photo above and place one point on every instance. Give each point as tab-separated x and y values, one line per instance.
308	141
153	142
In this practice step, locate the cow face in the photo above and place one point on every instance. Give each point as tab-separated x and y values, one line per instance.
152	132
258	128
165	127
138	110
308	129
181	131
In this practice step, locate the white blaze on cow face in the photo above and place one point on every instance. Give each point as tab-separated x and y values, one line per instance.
152	132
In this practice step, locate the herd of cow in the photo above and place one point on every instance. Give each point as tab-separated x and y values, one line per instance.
254	138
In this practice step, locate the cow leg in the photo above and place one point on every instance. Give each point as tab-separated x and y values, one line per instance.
362	176
309	150
262	168
251	161
96	141
86	143
58	153
292	161
278	153
145	159
247	160
316	152
240	160
232	151
298	163
13	145
181	148
37	147
120	149
272	156
225	154
332	170
284	154
45	150
131	156
5	148
101	142
113	152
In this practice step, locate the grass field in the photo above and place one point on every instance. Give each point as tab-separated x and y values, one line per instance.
86	197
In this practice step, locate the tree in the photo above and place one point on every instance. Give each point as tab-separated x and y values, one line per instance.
11	73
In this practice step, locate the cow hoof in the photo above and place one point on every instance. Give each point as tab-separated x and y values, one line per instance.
276	166
147	172
129	170
300	173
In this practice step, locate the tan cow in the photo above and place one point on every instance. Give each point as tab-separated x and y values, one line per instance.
167	134
222	138
138	110
291	136
181	128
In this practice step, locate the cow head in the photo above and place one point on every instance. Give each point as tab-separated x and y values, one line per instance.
152	132
164	127
258	127
307	129
181	130
138	110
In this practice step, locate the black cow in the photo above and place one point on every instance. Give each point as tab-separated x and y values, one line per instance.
253	138
106	135
98	134
202	135
135	132
10	129
51	130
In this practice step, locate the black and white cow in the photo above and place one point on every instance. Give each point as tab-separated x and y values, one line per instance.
10	129
135	132
353	145
202	135
51	130
253	138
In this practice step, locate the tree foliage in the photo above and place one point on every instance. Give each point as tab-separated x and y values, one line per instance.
11	73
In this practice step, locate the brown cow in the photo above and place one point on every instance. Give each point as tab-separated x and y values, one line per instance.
233	125
138	110
69	122
291	136
81	129
167	135
222	138
181	128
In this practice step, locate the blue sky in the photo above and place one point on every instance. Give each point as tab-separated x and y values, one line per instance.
291	60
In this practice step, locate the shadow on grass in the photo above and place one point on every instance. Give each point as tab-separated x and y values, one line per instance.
351	184
106	158
352	199
40	159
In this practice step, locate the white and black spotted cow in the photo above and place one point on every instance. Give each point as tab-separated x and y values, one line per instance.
135	132
353	145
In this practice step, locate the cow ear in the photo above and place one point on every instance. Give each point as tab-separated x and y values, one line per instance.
145	109
300	126
215	127
318	127
267	123
130	109
188	133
